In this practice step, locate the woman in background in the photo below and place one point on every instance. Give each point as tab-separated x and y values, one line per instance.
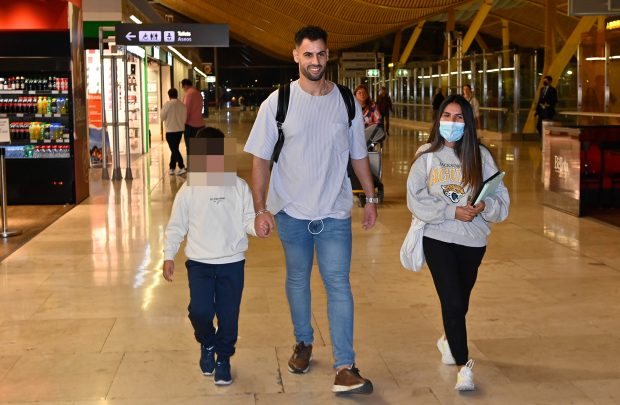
369	108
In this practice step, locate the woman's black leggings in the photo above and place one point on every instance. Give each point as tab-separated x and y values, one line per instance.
454	268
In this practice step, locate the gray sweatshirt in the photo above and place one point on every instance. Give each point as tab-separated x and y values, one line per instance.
433	197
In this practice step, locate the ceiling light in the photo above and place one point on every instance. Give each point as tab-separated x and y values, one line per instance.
177	53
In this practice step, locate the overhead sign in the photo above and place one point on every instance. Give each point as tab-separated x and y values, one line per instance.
593	7
361	55
354	73
358	64
211	35
372	73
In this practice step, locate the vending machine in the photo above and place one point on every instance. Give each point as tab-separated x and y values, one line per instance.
47	158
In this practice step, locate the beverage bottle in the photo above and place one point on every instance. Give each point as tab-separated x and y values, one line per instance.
37	131
53	107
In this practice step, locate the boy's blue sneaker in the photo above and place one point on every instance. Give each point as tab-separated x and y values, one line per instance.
222	372
207	360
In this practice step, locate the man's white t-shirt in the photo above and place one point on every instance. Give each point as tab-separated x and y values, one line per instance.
310	180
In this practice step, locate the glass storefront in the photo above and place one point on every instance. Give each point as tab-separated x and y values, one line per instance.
133	93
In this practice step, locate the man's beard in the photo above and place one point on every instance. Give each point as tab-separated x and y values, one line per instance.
310	76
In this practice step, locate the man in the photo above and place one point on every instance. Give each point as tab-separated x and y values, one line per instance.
174	114
384	105
473	101
545	109
193	102
310	195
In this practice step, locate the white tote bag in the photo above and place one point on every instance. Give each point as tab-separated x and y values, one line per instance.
412	252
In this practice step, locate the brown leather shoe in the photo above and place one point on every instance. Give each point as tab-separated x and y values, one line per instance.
299	363
349	381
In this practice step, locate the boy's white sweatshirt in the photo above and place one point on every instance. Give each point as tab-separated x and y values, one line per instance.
215	219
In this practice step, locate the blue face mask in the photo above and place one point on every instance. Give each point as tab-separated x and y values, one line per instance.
451	131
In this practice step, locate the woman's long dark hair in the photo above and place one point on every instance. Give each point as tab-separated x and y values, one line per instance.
467	148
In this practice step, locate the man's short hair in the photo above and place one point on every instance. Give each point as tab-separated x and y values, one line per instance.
549	78
311	32
186	82
210	133
467	85
173	93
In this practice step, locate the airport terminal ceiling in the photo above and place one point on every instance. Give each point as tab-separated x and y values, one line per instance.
269	25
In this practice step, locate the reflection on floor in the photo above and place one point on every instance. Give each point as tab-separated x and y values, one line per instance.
29	220
86	318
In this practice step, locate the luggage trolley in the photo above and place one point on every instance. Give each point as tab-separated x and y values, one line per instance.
375	135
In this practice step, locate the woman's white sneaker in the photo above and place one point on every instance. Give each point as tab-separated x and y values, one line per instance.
465	378
444	349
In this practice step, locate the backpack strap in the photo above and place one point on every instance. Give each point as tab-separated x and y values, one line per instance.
349	101
284	95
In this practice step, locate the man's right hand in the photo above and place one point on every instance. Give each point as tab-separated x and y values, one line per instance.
264	224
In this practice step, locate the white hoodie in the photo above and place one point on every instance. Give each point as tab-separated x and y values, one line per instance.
215	219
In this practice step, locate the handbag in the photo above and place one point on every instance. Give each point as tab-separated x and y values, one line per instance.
412	251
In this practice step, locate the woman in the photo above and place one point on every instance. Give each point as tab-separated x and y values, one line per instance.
455	235
369	108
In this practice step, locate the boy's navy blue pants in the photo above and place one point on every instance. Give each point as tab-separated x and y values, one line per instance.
215	291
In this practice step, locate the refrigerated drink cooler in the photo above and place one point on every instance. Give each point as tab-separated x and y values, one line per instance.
45	161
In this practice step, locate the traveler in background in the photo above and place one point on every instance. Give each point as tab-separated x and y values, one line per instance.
369	108
310	195
437	100
216	214
193	101
545	109
455	234
384	105
173	115
475	105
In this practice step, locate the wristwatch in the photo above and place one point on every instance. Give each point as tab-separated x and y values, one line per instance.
372	200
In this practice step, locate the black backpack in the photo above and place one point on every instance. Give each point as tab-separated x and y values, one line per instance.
284	94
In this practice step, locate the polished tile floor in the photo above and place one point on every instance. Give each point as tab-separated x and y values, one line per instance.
86	318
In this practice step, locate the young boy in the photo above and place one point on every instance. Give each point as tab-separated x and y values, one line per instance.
215	210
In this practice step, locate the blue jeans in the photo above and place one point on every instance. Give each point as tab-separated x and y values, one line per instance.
215	290
332	239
